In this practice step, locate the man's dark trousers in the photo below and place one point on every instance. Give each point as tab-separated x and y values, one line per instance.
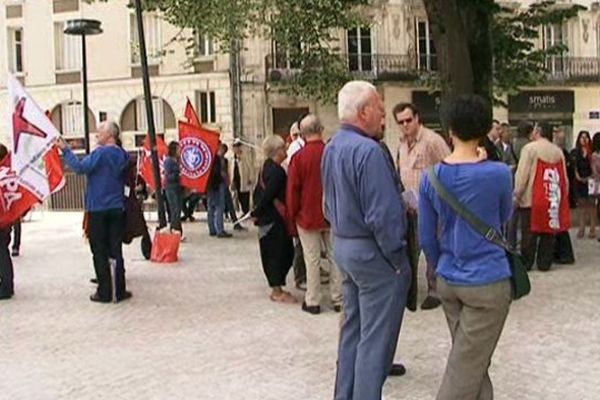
244	199
6	267
535	247
106	230
16	239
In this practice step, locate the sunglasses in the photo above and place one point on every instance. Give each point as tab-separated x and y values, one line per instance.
405	121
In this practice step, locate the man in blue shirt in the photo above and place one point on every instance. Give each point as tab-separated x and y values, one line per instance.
368	223
105	169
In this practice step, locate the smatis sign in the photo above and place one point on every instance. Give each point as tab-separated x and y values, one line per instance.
542	102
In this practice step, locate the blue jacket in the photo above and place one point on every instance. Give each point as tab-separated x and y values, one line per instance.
463	256
105	169
362	197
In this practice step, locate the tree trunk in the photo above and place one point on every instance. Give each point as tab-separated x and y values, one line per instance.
476	16
451	43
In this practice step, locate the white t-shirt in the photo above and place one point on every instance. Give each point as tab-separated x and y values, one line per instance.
295	147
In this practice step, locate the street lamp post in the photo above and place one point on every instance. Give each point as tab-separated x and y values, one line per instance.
84	28
162	220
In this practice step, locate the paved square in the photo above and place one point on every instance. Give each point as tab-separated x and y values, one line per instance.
205	329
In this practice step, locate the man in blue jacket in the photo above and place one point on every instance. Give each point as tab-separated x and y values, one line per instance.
105	169
368	222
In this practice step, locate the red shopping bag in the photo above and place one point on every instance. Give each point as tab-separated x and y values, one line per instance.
165	247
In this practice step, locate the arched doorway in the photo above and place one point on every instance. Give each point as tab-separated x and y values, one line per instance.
67	117
133	118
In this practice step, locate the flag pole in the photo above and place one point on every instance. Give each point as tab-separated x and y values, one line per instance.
162	220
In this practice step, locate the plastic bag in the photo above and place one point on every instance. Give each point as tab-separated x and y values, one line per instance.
165	247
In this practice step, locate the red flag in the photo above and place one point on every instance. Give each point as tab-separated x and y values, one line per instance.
550	199
198	152
54	170
190	114
15	199
145	169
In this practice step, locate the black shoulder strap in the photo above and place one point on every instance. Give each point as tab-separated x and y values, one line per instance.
489	232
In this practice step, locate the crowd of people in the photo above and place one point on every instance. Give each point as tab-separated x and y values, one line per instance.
370	214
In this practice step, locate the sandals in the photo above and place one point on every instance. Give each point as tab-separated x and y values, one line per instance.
284	297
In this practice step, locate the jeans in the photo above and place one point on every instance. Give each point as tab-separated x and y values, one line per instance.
174	201
216	208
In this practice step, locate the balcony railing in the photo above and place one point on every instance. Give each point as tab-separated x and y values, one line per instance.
389	67
573	69
402	67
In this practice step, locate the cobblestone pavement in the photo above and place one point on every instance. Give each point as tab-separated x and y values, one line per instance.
205	329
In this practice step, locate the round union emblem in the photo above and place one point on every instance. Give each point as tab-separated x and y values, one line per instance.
196	157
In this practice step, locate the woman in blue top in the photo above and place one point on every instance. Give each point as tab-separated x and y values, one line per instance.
473	274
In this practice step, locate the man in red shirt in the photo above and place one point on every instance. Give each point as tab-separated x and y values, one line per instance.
305	208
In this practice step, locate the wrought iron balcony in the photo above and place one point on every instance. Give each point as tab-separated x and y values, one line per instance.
573	69
386	67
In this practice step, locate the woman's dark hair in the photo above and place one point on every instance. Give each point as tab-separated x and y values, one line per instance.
470	117
578	142
524	129
546	131
173	146
595	142
3	151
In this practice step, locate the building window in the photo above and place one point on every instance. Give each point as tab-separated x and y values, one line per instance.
284	57
360	56
15	50
205	101
205	45
555	35
67	49
426	53
153	36
72	119
141	120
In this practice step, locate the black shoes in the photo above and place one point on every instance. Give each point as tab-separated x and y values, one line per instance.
99	299
125	296
397	370
337	309
223	235
15	253
6	296
311	309
238	227
430	303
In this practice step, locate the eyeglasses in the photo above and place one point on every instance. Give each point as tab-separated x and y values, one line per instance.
405	121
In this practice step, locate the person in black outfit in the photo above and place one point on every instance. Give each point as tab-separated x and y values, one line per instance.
276	246
489	143
190	202
242	177
229	207
583	172
6	266
563	247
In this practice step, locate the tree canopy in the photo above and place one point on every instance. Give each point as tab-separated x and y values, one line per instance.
482	47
